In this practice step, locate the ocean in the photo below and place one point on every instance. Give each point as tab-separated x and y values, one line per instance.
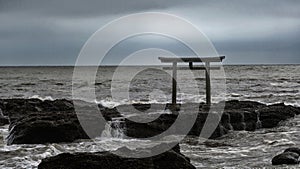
239	149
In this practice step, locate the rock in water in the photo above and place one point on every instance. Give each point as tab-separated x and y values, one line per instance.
3	119
36	122
271	115
33	121
286	158
107	160
293	149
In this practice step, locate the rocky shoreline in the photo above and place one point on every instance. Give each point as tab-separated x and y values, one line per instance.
33	121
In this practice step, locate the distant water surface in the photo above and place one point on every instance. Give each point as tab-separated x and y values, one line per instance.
268	84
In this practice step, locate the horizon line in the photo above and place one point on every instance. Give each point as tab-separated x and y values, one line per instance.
112	65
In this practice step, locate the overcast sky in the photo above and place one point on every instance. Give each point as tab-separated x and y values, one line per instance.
44	32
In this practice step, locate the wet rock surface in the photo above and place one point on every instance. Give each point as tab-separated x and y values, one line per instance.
35	121
3	119
293	149
170	159
290	156
286	158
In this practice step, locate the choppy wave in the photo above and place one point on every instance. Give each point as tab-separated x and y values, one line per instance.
184	98
41	98
235	150
265	84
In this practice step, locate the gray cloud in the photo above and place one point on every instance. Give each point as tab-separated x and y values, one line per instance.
88	8
53	32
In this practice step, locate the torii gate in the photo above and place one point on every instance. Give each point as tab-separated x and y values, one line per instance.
190	60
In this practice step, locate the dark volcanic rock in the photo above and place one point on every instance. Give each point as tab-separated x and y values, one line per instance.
36	121
249	113
293	149
238	115
106	160
33	121
245	105
3	119
38	128
286	158
144	130
271	115
165	121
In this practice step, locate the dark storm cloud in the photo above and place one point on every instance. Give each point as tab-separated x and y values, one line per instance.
86	8
89	8
53	32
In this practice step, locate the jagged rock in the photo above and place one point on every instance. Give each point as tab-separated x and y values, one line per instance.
37	129
286	158
271	115
293	149
36	121
3	119
165	121
236	104
169	159
33	121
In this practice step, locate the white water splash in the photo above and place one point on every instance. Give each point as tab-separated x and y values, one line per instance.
41	98
113	129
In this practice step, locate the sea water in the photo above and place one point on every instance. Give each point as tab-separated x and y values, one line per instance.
238	149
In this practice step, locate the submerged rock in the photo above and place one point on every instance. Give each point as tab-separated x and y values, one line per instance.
33	121
286	158
105	160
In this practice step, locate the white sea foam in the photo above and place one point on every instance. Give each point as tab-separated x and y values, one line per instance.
110	103
41	98
113	103
113	129
235	95
279	83
292	104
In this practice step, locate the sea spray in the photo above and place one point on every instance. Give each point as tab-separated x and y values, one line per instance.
258	123
113	129
243	121
3	135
